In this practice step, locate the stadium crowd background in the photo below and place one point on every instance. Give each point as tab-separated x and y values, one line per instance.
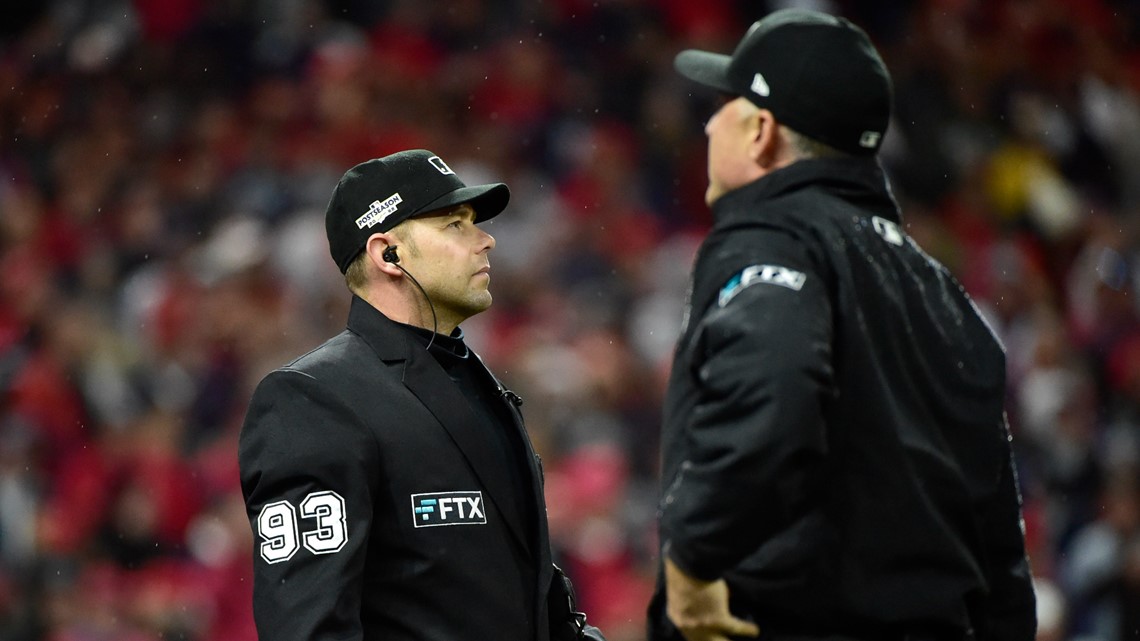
164	167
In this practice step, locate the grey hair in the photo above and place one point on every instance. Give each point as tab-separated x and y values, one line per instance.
805	147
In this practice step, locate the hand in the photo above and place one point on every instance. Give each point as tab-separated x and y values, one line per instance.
699	608
590	633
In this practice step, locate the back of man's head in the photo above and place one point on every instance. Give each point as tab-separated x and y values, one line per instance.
818	74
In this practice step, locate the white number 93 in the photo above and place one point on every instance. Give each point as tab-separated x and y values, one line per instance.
277	525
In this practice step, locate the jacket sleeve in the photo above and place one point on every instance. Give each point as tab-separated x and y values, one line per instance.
308	473
1009	611
567	623
756	436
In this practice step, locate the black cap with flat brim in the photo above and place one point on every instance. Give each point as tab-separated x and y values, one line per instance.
709	69
379	194
818	74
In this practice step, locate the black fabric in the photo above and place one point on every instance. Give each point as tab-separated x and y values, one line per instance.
495	416
567	623
371	418
834	441
819	74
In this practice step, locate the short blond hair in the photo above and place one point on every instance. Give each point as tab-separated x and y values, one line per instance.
356	275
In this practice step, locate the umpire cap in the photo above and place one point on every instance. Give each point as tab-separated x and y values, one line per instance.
818	74
379	194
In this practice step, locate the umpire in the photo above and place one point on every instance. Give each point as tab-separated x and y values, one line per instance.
390	484
836	454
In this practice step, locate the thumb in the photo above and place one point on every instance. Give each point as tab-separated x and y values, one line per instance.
740	628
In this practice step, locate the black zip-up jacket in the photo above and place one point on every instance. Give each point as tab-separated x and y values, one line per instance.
835	444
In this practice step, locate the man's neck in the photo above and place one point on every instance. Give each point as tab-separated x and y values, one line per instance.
410	310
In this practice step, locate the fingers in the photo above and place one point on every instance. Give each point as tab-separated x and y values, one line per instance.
699	609
741	628
714	630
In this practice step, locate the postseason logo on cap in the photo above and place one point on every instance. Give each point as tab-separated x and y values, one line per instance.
378	211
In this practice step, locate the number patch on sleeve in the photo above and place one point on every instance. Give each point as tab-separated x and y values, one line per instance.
280	532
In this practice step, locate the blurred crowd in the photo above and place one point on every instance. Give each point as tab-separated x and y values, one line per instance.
164	168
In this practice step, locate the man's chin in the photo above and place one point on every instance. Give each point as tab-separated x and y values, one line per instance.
477	304
713	194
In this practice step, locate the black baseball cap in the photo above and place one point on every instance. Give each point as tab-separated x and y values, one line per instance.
378	194
818	74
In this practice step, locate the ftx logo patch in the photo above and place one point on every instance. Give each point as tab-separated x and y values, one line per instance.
448	508
770	274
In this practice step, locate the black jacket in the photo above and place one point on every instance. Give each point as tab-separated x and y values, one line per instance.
835	444
377	506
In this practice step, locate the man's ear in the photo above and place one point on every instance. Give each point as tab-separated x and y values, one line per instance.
765	142
375	246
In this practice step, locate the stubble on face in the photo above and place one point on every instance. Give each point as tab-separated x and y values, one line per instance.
449	260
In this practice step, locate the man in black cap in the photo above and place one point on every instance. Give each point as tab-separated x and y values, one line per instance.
389	481
836	460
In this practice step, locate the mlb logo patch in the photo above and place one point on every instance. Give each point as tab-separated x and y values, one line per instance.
448	508
438	163
869	139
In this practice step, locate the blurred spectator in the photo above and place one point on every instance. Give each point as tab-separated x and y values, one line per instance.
1102	570
164	166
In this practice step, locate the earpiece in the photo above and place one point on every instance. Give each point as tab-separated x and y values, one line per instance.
390	256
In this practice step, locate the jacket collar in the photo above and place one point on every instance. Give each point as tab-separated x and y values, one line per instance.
859	181
383	335
427	380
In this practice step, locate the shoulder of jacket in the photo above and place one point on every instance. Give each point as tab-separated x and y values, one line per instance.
337	360
331	352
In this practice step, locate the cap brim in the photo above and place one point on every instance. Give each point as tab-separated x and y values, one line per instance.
709	69
487	200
